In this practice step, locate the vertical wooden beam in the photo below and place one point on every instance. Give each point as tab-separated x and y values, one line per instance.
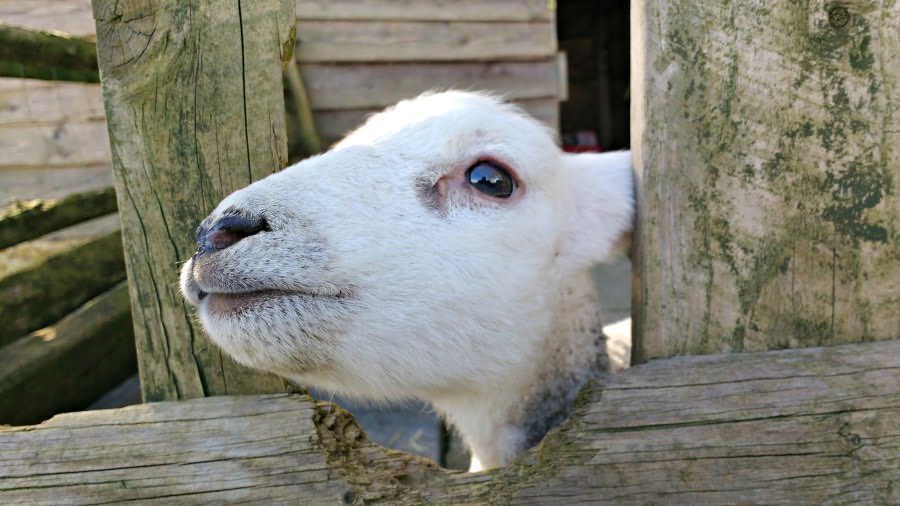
766	136
194	104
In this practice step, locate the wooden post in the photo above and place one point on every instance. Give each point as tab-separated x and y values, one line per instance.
766	138
195	111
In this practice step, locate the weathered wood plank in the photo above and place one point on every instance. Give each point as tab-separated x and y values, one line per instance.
67	16
416	10
768	147
67	365
195	110
370	86
31	101
44	279
79	143
351	41
29	184
334	125
808	426
74	16
24	220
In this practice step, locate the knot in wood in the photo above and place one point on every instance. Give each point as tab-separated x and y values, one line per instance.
125	30
838	16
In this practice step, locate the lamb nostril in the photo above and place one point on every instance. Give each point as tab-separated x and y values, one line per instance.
228	231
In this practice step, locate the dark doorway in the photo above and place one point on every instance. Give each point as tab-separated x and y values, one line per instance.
595	36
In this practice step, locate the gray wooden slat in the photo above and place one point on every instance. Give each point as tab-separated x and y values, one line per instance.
334	125
351	41
435	10
371	86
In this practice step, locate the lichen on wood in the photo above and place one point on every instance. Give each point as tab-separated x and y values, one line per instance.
195	111
768	146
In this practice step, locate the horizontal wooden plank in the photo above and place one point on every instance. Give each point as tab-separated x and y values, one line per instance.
30	184
334	125
65	366
32	102
43	279
24	220
805	426
74	17
66	144
435	10
350	41
370	86
30	255
27	102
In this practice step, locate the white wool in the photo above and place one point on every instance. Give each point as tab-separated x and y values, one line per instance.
473	303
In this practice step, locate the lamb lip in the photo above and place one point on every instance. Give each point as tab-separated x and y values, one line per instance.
236	302
274	292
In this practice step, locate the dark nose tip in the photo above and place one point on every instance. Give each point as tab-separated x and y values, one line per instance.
227	231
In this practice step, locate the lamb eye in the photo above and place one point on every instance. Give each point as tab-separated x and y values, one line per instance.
491	179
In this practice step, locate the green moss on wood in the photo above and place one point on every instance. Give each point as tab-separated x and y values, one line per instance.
42	294
53	56
24	220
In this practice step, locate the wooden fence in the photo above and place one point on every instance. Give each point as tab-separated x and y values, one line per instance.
766	144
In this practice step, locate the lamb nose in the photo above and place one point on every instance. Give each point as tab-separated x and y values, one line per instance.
228	231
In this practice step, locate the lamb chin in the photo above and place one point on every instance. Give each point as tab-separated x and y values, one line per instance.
263	341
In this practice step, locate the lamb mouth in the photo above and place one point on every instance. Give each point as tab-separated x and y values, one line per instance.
231	302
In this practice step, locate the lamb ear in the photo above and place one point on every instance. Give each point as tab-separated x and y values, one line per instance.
601	207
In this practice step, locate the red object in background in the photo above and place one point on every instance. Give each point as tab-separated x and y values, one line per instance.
581	142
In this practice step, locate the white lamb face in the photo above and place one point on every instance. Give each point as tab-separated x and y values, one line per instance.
379	270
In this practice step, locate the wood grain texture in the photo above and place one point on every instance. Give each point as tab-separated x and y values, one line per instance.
54	145
67	365
29	184
371	86
416	10
812	426
334	125
767	141
50	125
195	111
30	102
389	41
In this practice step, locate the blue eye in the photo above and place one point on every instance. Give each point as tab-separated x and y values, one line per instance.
491	179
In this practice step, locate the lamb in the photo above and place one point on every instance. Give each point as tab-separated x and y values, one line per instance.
442	251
